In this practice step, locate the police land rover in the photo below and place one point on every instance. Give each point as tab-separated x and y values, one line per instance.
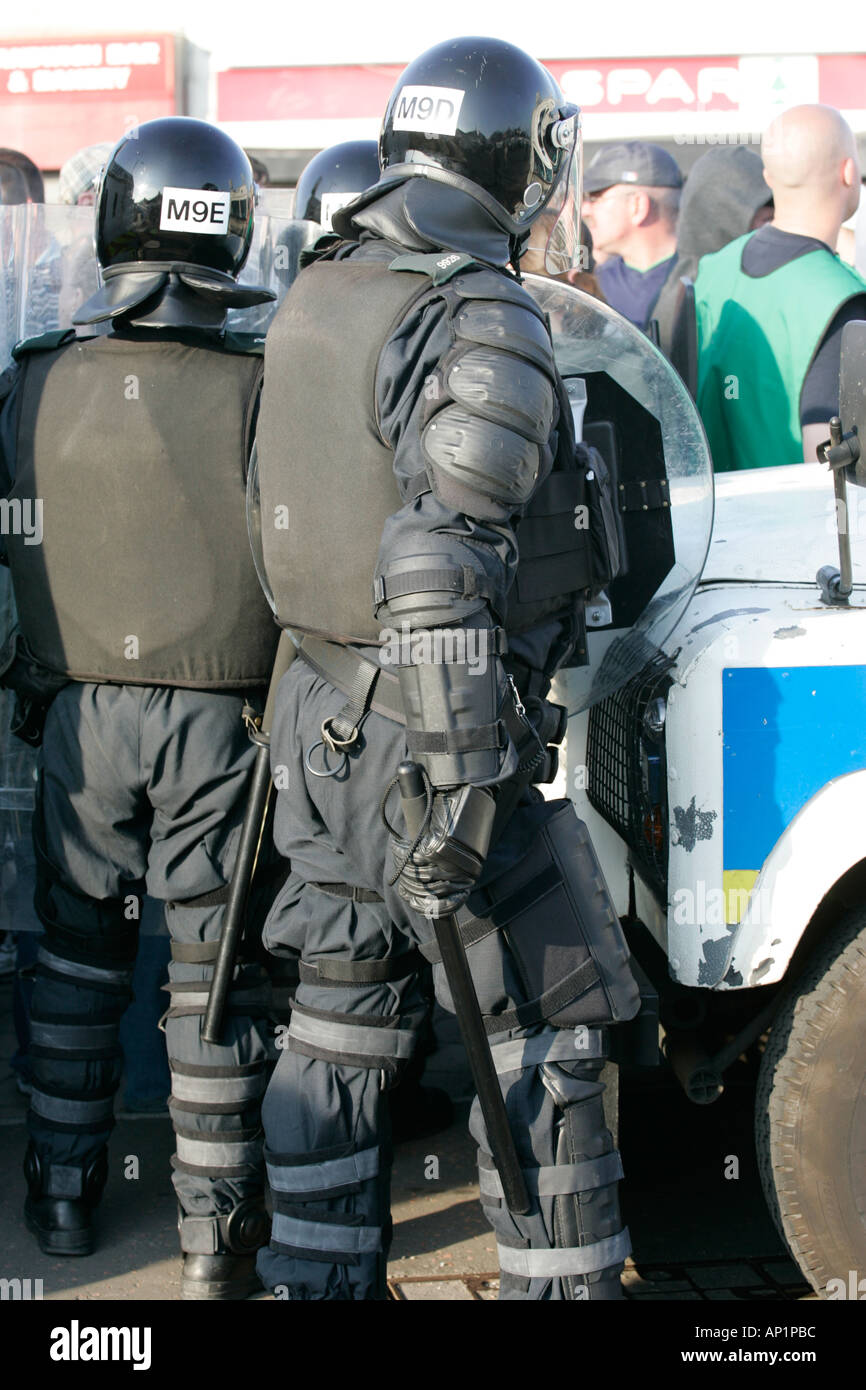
717	752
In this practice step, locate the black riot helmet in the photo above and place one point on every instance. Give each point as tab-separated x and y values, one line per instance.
334	177
179	190
482	115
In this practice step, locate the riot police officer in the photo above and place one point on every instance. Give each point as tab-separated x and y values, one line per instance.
333	178
418	478
144	641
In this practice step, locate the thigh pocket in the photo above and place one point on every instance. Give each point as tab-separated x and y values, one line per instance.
545	929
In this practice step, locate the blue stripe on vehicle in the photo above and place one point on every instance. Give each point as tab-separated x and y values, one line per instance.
787	731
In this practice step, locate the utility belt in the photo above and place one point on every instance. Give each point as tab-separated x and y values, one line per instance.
535	728
544	901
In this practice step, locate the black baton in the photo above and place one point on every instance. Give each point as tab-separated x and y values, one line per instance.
453	953
258	805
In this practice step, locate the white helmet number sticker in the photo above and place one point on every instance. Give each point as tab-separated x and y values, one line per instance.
332	202
433	110
194	210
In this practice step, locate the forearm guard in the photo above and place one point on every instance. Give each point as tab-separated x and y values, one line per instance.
453	688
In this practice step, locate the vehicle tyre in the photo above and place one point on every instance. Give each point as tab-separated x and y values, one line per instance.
810	1114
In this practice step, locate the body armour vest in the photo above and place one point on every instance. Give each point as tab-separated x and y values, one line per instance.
326	473
131	453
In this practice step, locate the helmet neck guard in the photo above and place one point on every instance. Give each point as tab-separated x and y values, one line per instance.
171	295
427	209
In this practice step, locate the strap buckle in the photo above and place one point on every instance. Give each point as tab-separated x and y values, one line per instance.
329	738
518	703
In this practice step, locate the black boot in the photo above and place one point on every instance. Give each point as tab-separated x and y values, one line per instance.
58	1208
222	1262
227	1277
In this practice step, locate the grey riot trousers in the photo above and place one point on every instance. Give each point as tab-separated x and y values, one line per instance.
357	1010
142	790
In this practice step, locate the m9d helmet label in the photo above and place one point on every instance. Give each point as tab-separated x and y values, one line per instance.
433	110
194	210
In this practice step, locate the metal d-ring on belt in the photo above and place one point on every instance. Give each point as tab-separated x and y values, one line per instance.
340	731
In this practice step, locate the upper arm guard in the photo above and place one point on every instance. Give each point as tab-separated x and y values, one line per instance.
491	406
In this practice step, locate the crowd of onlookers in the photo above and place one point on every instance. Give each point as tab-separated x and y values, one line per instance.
758	238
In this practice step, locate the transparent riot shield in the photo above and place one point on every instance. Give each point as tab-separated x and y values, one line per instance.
640	416
18	772
273	262
49	268
275	202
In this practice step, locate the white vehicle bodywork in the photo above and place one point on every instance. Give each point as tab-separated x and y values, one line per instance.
765	737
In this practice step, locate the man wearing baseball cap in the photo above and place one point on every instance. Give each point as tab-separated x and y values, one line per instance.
631	200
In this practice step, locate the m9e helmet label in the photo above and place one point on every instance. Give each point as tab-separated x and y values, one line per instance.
194	210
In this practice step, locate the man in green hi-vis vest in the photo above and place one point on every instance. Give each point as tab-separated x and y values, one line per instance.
771	305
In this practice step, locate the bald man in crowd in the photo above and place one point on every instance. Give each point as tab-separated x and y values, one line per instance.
772	305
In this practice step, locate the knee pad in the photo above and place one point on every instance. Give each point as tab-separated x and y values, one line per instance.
379	1042
370	1041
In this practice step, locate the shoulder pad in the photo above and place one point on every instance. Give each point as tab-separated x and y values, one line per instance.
252	344
492	284
439	265
45	342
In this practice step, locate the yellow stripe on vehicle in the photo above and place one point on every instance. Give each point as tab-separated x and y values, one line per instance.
737	885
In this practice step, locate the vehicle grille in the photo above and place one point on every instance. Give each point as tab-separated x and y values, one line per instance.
626	773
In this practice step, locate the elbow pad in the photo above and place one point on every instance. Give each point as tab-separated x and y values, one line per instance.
424	590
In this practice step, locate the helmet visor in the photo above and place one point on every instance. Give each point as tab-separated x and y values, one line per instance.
560	220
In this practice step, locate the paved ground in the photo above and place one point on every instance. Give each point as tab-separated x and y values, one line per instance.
698	1234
